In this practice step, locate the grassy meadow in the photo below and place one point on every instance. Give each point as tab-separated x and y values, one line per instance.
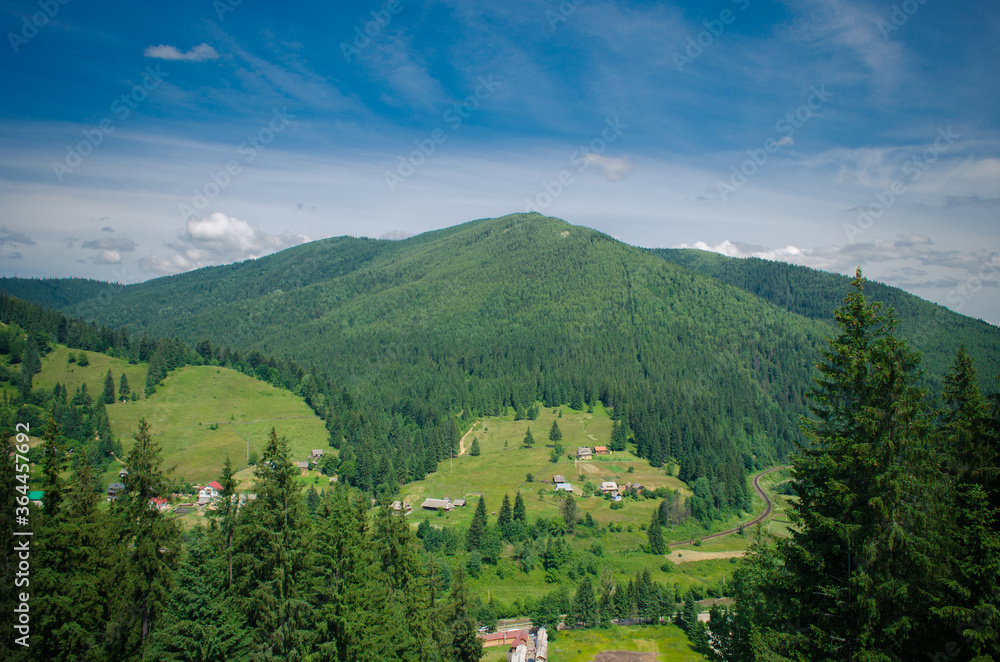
665	643
194	398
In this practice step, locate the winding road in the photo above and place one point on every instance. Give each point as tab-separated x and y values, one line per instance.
768	507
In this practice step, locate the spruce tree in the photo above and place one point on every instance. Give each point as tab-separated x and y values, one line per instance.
971	447
109	389
569	512
585	609
476	535
463	644
654	533
528	440
474	451
519	514
271	558
506	517
860	558
555	434
123	388
152	541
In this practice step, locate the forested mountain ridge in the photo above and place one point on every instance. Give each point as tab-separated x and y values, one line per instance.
930	328
503	312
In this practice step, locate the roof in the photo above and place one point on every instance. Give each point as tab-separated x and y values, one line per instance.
215	486
513	636
159	500
564	486
609	485
583	449
304	464
116	486
317	451
436	503
458	503
600	449
558	478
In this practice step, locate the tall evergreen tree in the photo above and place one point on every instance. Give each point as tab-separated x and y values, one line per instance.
152	542
506	517
123	388
657	545
859	560
109	389
464	645
476	535
585	609
569	513
555	434
271	558
519	514
474	451
528	440
971	446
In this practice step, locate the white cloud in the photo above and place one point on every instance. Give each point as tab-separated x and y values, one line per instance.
199	53
614	169
108	257
217	239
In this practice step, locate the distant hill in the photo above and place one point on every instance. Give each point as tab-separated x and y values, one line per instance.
931	328
500	312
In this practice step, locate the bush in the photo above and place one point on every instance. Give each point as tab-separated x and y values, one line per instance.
667	567
82	360
529	478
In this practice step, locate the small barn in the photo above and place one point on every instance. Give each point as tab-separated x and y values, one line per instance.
437	504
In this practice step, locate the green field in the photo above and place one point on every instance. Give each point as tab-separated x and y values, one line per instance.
194	397
56	368
667	641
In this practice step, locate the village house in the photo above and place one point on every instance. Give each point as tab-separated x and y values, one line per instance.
208	493
123	473
159	503
303	466
437	504
510	638
402	507
317	453
600	450
584	453
558	479
458	503
564	487
114	489
609	487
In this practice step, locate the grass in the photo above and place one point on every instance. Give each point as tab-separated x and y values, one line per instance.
668	641
56	368
194	397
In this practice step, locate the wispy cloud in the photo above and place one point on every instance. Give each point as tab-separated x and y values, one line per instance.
14	237
199	53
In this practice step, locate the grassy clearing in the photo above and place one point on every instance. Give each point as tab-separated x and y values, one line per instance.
56	368
195	397
668	642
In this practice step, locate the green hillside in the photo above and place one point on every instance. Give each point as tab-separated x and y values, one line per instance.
193	398
930	328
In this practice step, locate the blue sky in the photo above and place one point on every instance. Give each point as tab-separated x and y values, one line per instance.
138	141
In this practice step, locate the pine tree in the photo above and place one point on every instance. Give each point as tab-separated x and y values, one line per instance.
474	451
226	514
569	512
109	389
528	440
654	533
506	516
464	645
146	570
859	562
555	434
585	609
271	558
476	535
972	453
519	514
123	388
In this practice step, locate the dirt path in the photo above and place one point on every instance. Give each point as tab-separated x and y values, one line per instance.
461	442
768	506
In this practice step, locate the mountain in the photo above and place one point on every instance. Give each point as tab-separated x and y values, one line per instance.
502	312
